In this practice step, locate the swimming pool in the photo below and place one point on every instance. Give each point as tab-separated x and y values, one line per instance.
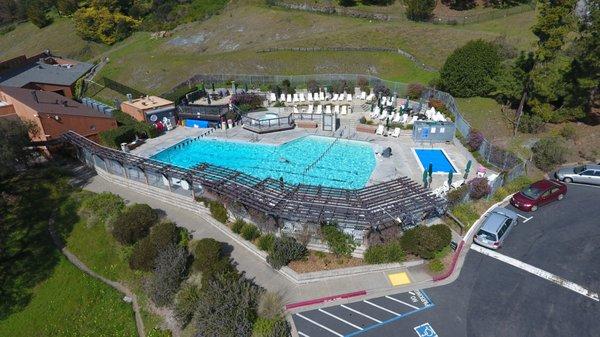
308	160
437	157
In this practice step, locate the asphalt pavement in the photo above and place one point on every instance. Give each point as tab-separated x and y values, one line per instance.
492	298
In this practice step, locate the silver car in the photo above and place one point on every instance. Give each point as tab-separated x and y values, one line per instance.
495	228
587	174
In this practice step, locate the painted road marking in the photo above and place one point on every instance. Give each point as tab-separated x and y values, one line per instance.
382	308
303	334
360	313
538	272
425	330
320	325
524	217
397	300
340	319
399	279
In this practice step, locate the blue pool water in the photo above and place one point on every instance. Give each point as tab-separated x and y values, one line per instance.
436	157
308	160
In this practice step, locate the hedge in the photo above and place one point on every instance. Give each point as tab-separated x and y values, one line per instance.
385	253
218	211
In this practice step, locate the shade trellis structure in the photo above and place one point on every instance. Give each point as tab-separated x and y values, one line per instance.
398	200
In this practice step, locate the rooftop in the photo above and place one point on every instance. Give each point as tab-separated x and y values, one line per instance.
49	70
148	102
50	102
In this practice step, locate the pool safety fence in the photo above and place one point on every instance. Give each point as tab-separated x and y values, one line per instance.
399	200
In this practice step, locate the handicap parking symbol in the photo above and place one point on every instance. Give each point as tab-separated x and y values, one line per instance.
425	330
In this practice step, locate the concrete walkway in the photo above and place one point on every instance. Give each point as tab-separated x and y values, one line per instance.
254	266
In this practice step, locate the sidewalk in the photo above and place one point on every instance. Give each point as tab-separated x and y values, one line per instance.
256	268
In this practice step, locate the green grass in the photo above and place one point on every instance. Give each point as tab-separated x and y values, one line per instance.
485	114
71	303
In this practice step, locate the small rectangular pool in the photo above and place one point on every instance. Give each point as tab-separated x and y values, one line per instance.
437	157
308	160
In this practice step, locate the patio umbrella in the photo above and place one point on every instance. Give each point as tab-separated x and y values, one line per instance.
208	99
246	87
425	180
213	87
430	170
468	168
450	174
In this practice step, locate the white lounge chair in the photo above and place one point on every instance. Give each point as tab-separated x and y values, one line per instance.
289	98
376	112
319	109
344	110
296	110
349	109
380	130
328	109
321	96
412	120
310	109
370	97
458	183
336	110
335	97
272	97
341	98
301	96
397	118
404	118
349	98
396	132
295	99
282	97
363	95
384	115
310	97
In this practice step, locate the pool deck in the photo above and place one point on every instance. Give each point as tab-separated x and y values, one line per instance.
403	161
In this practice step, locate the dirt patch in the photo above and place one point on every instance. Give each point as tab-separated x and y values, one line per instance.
319	261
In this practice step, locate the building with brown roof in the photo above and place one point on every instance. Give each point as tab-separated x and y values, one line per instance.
52	113
149	109
43	71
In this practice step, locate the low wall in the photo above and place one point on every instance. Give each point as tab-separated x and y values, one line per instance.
198	208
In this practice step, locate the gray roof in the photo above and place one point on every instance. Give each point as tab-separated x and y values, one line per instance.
42	72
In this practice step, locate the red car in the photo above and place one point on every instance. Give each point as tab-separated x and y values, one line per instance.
538	194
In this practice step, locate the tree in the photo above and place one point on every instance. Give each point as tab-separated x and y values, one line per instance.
479	187
134	223
424	241
227	307
36	13
554	22
340	243
14	141
470	70
100	25
211	260
460	5
186	301
169	271
146	250
419	10
347	3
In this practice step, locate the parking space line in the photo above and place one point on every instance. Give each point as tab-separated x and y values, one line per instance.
382	308
538	272
303	334
360	313
320	325
340	319
397	300
524	217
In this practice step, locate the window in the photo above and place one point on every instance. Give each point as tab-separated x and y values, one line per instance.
554	190
587	173
546	194
597	174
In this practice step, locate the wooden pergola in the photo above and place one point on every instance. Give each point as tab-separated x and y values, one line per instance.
400	200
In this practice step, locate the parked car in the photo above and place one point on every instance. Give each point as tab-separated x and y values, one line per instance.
495	228
587	174
538	194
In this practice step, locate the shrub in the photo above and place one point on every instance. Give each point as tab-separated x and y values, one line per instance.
383	235
531	123
380	88
312	86
218	211
347	3
460	5
568	132
549	152
340	243
419	10
114	137
237	226
146	250
424	241
474	140
469	70
265	242
252	101
250	232
186	302
465	213
207	253
384	253
479	188
270	305
101	208
102	25
443	232
134	223
415	90
363	83
516	185
436	266
457	195
285	250
169	270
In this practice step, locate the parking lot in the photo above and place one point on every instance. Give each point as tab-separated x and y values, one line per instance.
358	317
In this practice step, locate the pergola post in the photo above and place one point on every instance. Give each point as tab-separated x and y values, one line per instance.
192	189
124	170
145	175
